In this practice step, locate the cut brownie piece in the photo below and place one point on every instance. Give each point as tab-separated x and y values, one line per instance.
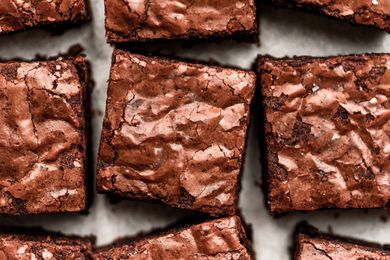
223	238
37	244
24	14
134	21
327	130
175	132
375	13
42	136
311	244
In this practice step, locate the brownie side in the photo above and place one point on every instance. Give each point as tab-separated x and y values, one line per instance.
165	20
326	122
35	243
22	15
362	12
43	142
309	242
174	132
223	238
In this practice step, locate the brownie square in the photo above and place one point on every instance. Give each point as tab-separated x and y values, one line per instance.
138	21
374	13
327	132
313	244
18	243
174	132
21	15
223	238
43	136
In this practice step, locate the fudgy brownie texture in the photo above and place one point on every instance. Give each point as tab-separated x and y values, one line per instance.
327	131
37	244
223	238
175	132
24	14
311	244
146	20
375	13
42	136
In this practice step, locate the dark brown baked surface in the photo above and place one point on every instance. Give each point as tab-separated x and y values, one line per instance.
374	13
134	21
175	132
311	244
42	136
24	14
327	132
18	243
223	238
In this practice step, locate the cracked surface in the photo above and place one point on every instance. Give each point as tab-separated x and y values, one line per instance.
326	247
327	132
367	12
42	142
17	15
44	246
219	239
143	20
175	132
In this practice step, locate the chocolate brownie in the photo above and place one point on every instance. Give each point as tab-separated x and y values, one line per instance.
24	14
147	20
312	244
43	136
327	129
37	244
223	238
174	132
375	13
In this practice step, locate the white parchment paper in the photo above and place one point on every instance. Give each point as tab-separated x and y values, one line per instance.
283	32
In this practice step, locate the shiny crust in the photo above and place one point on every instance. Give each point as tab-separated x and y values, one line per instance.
24	14
42	140
223	238
147	20
175	132
327	132
375	13
312	244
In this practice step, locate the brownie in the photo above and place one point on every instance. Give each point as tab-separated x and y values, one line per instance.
374	13
326	132
24	14
148	20
18	243
223	238
174	132
312	244
43	136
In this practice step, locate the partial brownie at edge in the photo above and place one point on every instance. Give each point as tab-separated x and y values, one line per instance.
327	132
374	13
175	132
21	15
312	244
223	238
16	243
128	21
43	136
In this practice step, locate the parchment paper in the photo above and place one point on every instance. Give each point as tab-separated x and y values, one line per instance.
283	32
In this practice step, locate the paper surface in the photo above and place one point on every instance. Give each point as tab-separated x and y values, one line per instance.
283	32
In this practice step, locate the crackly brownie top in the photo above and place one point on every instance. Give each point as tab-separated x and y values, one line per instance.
42	147
175	132
154	19
328	131
17	15
317	248
219	239
26	247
